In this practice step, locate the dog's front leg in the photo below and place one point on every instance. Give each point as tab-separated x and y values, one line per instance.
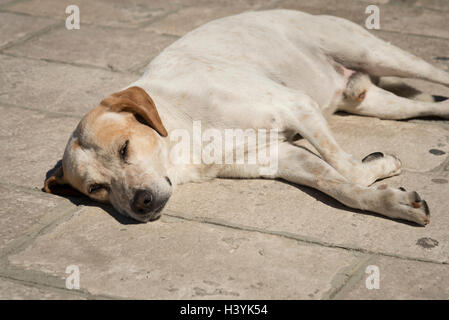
309	122
300	166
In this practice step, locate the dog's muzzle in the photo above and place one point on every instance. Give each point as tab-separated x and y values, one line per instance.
145	203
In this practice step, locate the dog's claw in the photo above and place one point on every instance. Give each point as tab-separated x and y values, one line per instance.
420	204
416	196
402	189
373	156
426	208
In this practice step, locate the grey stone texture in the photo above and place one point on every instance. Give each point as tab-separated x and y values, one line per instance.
222	239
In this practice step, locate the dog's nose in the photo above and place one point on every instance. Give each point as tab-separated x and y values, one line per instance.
143	201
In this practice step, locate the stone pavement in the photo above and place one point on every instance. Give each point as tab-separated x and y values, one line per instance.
224	239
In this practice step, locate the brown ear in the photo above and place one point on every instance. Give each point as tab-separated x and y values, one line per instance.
137	101
56	184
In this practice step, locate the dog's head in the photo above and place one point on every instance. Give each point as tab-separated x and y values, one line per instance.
117	155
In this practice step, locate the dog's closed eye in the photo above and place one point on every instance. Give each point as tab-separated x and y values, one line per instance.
123	152
97	187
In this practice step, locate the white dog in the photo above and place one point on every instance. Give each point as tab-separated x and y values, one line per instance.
276	70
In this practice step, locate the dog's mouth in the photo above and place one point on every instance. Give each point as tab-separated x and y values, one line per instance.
157	213
155	217
150	216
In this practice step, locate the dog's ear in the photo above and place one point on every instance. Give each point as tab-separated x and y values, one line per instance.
137	101
56	184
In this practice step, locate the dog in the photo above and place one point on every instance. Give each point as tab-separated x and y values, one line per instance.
278	70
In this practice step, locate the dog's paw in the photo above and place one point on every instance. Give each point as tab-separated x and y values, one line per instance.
377	166
443	109
405	205
373	156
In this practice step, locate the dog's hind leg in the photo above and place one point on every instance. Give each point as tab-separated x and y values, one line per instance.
367	99
356	48
302	167
405	90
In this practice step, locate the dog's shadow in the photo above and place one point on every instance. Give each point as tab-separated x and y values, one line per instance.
331	202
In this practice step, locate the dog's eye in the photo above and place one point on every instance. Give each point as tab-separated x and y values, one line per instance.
124	150
96	187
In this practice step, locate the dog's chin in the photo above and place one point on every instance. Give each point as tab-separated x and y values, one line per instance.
157	213
155	217
149	217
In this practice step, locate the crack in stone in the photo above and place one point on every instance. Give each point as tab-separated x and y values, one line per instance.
344	278
300	238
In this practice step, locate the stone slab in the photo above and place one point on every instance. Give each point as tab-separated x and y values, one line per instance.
13	290
178	259
5	2
108	48
274	206
348	9
414	20
401	280
186	19
102	12
440	5
56	87
15	27
394	15
32	143
22	210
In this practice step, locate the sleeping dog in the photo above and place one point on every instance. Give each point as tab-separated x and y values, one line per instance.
279	70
